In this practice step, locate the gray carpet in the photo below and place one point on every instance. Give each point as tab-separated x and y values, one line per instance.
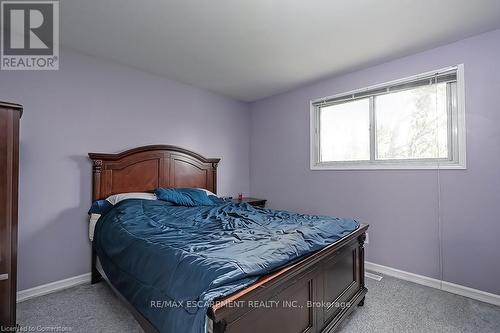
391	305
394	305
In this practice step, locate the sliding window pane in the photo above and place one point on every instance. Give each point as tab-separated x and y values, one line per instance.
345	132
412	124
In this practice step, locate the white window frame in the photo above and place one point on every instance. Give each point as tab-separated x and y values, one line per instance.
458	133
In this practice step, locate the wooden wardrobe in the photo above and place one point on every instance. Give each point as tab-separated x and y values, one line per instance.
10	115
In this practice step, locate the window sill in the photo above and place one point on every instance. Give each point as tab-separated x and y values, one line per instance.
389	166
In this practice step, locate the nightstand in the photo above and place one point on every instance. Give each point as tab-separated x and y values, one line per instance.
261	203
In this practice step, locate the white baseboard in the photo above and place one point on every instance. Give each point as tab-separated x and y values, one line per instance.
420	279
435	283
480	295
52	287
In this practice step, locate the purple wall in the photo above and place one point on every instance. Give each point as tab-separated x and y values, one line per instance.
92	105
401	206
95	105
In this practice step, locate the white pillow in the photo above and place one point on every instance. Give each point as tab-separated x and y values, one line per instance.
92	222
114	199
207	191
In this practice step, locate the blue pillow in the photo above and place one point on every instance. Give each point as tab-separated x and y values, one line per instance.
100	207
190	197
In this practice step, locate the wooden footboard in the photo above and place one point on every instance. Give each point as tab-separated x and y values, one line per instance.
313	295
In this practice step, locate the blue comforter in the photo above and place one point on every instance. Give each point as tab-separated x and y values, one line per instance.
170	261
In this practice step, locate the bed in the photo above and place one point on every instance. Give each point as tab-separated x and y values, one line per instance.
312	294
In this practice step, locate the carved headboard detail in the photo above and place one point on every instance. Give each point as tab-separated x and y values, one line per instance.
145	168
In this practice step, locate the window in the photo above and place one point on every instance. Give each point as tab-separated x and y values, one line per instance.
413	123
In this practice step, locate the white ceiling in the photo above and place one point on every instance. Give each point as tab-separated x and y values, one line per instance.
249	50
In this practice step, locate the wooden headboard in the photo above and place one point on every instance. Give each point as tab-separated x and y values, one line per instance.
144	169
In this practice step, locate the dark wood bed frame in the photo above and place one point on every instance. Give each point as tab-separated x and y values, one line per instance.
312	295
